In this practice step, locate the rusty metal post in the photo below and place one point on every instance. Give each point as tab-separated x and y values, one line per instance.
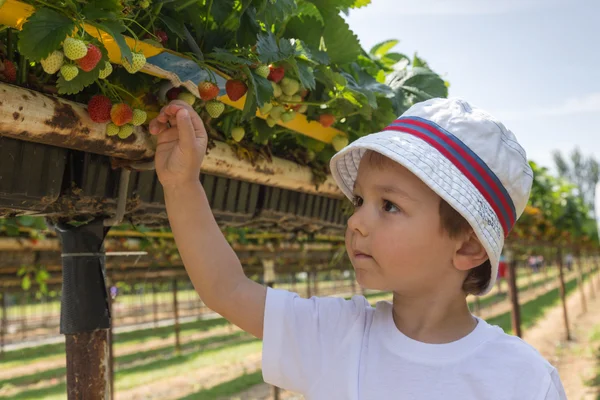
85	315
154	305
176	316
3	325
590	272
315	282
23	315
308	288
514	297
561	279
580	281
111	352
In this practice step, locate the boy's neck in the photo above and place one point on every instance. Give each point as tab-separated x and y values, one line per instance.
433	319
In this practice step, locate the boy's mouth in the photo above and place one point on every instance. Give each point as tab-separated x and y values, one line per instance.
361	255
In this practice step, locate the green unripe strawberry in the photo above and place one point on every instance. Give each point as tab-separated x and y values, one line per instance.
276	89
139	117
53	62
263	70
215	108
266	108
112	129
69	72
339	142
288	116
276	112
271	121
74	49
290	86
125	131
106	71
187	97
238	133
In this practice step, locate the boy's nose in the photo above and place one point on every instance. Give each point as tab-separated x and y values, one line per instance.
357	224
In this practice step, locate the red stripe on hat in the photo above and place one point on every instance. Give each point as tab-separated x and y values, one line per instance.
460	166
465	155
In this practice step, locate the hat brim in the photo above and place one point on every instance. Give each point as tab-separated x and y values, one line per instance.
437	172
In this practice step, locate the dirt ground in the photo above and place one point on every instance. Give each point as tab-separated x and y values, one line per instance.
574	359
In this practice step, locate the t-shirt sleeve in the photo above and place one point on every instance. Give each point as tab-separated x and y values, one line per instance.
301	337
556	391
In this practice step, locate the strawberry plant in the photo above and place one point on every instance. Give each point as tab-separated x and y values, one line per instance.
285	59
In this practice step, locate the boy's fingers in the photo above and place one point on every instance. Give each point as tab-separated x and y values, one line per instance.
176	105
156	126
187	136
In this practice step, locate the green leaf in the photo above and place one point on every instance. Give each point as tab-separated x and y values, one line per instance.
114	29
426	81
91	12
342	44
305	74
26	282
306	9
263	130
278	10
82	80
221	10
270	52
12	230
175	26
43	33
228	57
248	29
267	49
419	62
380	49
360	3
26	220
250	106
263	89
308	29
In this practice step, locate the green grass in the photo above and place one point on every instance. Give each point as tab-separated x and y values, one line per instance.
33	354
229	388
533	309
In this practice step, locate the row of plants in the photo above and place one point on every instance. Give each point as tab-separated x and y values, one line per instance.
285	57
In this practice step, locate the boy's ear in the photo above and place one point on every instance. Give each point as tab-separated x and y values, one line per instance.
470	253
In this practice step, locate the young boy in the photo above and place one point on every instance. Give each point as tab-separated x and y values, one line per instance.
435	194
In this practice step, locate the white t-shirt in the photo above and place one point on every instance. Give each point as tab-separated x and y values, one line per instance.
331	348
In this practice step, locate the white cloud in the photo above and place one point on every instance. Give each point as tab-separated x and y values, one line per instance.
589	103
460	7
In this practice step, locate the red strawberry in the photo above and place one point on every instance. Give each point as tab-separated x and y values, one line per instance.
121	114
208	90
276	73
326	120
162	36
236	89
10	71
91	59
173	93
99	108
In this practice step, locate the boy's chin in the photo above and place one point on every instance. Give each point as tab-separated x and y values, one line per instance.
367	282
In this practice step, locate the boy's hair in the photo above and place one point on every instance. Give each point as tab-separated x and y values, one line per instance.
454	224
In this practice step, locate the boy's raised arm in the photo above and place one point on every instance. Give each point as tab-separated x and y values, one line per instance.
211	263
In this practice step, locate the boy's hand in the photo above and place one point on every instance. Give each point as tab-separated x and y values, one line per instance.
181	147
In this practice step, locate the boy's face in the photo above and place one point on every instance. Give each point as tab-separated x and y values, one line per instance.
394	238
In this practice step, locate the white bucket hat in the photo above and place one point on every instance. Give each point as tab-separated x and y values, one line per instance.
466	156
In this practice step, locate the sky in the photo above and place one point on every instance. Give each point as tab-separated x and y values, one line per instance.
533	64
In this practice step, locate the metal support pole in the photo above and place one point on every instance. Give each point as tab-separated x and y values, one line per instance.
580	281
85	316
4	324
176	315
154	305
514	298
561	279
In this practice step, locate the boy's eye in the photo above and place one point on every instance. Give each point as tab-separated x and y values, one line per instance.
357	201
389	206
